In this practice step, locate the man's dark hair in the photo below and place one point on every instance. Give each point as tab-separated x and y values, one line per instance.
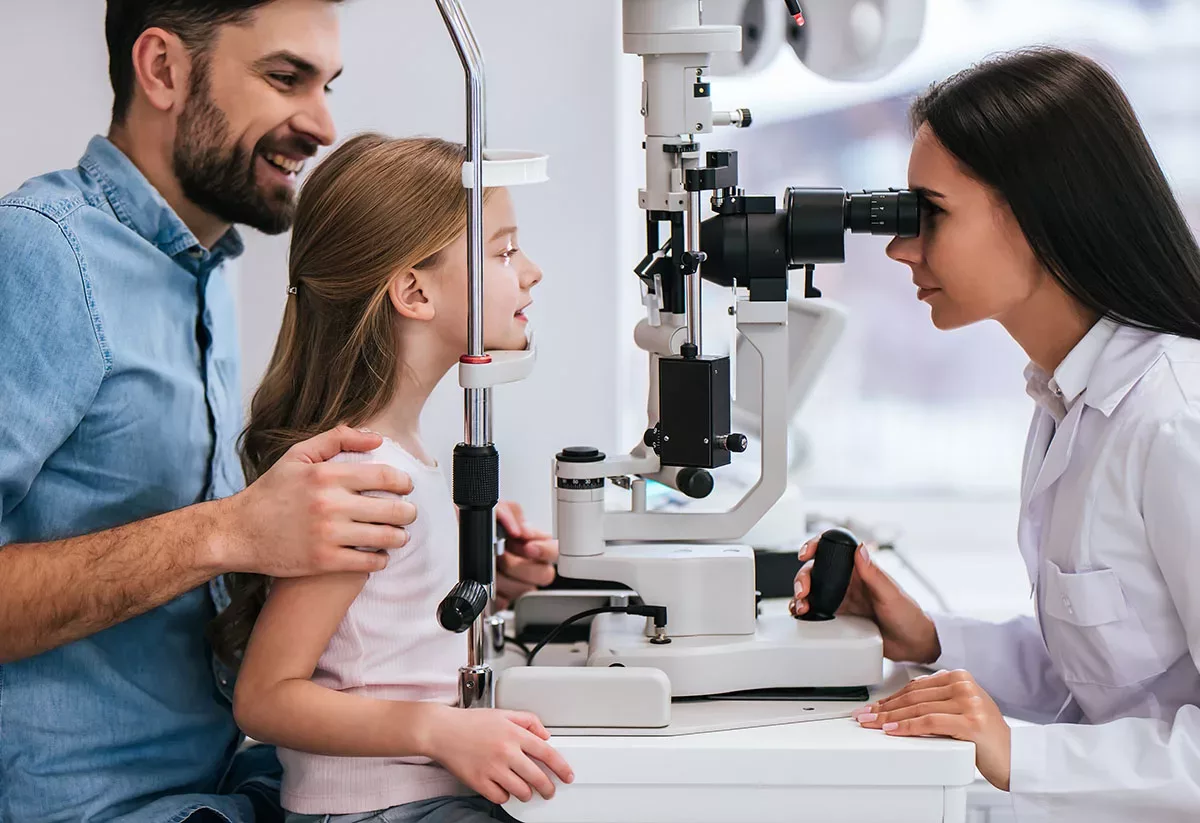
195	22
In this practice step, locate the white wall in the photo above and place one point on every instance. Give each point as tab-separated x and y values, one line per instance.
553	77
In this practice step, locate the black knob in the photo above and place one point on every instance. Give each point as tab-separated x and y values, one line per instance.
580	454
466	601
831	571
696	483
650	438
736	443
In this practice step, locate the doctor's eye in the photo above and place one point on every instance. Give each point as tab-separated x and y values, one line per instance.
929	209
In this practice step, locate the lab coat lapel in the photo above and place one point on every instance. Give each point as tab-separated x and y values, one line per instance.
1059	453
1044	465
1041	432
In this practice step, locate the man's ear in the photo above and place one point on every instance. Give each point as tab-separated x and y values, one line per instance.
161	65
408	298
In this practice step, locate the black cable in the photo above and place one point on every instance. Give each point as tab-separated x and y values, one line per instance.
659	613
509	640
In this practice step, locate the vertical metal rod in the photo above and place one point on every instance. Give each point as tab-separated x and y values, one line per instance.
694	282
475	679
477	638
477	410
472	60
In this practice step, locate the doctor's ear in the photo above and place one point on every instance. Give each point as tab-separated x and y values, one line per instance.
408	297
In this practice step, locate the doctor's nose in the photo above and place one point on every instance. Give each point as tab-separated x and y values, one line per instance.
905	250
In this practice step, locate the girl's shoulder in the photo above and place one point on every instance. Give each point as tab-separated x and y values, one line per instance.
391	453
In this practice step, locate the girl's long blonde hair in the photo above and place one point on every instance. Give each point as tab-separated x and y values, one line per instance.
373	208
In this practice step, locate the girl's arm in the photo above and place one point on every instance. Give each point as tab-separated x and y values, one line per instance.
276	700
496	753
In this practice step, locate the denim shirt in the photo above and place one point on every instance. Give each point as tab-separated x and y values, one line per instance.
119	400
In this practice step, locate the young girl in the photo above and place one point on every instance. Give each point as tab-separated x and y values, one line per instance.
350	675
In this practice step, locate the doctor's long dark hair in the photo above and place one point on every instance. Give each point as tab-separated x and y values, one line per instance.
1053	134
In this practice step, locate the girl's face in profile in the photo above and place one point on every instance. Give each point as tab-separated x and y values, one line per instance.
509	277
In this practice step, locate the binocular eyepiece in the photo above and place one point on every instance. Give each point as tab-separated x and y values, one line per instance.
818	219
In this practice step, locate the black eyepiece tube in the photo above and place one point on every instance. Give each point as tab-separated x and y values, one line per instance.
893	213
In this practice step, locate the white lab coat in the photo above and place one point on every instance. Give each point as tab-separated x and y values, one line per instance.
1110	533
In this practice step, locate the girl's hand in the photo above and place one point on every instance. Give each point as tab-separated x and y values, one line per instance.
529	556
496	752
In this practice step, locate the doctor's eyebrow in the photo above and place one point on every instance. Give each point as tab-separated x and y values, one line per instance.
924	192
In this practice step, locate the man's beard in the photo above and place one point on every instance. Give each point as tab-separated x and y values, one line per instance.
219	179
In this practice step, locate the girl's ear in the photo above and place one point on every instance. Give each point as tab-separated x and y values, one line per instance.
408	298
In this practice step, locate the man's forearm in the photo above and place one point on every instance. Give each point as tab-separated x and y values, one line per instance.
54	593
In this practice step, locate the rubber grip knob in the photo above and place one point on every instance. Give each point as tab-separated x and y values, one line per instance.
465	602
832	567
695	483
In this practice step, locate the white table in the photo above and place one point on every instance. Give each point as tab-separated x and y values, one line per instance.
826	771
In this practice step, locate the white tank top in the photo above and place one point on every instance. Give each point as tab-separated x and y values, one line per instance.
390	646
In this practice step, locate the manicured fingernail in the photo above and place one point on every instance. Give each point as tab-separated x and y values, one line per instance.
862	550
863	710
867	718
888	727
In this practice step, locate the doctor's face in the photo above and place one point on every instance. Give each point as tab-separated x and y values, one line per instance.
971	261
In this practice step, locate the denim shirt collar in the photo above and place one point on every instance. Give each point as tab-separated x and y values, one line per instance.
139	205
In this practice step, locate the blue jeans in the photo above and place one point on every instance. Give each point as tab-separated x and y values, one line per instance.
469	809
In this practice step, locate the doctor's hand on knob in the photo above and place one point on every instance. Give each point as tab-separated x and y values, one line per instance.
908	633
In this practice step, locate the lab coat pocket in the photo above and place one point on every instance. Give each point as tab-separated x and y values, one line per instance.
1091	630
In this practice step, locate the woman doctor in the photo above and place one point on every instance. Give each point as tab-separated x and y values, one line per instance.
1047	212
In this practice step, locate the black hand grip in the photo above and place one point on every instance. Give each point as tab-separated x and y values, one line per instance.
466	601
695	483
476	490
831	571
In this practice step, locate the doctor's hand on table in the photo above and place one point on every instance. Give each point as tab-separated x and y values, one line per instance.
945	704
529	556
